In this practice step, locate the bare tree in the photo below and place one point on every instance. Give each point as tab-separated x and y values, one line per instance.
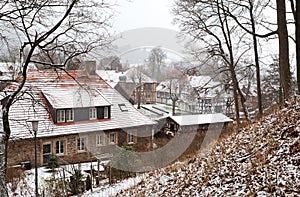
156	60
295	7
284	65
68	27
209	24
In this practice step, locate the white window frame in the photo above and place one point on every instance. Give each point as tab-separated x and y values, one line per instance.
69	115
61	115
105	112
81	144
93	113
61	147
114	138
130	137
102	141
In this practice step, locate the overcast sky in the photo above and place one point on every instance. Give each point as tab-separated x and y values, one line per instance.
143	13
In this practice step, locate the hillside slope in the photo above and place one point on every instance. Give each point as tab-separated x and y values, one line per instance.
260	160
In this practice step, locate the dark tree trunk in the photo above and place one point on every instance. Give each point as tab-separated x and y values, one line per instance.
284	66
255	48
297	18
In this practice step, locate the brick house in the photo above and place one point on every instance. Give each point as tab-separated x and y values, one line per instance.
78	120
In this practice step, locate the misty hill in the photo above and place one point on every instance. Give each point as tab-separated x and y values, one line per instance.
262	159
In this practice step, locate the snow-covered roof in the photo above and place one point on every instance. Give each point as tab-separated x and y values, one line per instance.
10	70
198	119
44	81
204	85
131	75
200	81
74	97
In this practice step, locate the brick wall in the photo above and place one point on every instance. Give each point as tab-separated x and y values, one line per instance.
23	150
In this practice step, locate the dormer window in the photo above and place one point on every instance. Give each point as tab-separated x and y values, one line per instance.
60	115
93	113
105	112
65	115
69	115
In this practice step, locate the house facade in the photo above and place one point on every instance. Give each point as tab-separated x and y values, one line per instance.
78	120
133	84
195	94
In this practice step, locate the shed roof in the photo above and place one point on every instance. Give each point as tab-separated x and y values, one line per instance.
198	119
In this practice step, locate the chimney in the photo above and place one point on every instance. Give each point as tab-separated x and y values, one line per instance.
90	67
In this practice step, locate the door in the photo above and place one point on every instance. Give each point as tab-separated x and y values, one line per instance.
47	152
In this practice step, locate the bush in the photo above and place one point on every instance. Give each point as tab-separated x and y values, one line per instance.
75	184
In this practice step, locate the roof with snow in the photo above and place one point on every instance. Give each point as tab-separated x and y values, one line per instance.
131	75
74	97
199	119
10	70
31	105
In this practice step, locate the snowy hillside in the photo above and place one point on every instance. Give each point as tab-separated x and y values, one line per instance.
260	160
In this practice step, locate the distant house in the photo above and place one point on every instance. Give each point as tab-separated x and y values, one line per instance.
130	84
78	120
195	94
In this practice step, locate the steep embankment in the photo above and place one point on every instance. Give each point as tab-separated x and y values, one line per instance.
262	159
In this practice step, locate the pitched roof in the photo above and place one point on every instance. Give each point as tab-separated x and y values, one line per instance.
198	119
74	97
32	105
131	75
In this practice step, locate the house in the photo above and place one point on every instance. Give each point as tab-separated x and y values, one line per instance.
195	94
130	84
78	120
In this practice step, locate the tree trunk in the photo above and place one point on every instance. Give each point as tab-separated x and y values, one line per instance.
284	66
3	159
3	155
235	94
256	57
297	26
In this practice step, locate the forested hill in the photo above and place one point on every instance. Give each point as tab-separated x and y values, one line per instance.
262	159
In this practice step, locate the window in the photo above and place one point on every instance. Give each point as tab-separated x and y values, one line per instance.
112	138
123	107
105	112
81	143
130	138
69	115
59	147
100	140
93	113
60	116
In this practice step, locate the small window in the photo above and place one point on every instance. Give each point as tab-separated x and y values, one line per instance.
105	112
112	138
60	115
93	113
69	115
130	137
100	140
59	147
123	107
81	143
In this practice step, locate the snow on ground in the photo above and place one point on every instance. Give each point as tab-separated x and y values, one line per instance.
262	159
26	183
112	190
